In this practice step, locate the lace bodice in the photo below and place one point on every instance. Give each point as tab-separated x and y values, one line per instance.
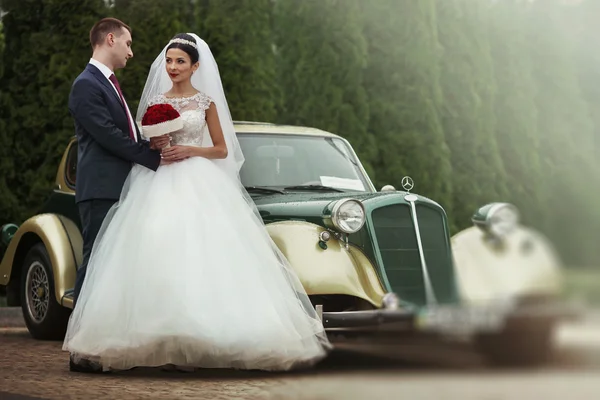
193	112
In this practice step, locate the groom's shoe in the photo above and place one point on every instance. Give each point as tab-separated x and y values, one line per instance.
85	366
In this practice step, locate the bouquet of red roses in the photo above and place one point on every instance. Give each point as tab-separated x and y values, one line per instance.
161	119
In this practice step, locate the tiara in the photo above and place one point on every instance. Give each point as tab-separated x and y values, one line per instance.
184	41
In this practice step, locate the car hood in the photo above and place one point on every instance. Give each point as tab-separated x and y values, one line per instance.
302	205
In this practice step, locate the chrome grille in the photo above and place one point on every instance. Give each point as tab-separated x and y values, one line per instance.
398	247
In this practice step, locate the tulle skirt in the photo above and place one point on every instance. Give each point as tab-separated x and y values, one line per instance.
184	272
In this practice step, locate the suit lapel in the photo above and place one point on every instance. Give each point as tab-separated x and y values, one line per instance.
102	79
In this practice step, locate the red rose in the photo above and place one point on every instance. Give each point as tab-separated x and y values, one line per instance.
158	113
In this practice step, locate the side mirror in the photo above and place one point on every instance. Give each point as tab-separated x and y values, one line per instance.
388	188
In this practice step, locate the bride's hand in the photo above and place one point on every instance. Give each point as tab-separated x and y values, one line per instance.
177	153
158	142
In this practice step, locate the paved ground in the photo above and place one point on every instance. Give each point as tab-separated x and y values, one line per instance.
39	369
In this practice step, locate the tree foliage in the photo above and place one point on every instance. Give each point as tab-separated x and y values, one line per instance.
402	82
8	201
515	108
565	129
45	48
467	80
321	50
241	38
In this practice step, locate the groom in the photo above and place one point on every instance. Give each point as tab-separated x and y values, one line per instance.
108	140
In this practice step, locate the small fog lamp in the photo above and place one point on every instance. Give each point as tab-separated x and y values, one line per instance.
391	301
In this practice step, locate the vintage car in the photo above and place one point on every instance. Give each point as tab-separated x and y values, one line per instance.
376	264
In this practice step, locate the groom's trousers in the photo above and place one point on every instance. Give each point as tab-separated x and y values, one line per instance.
92	214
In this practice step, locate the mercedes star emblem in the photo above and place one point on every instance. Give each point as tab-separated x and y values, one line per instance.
407	183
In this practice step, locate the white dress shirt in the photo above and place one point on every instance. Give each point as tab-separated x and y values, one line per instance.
107	73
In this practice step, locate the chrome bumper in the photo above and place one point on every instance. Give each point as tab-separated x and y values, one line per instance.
447	319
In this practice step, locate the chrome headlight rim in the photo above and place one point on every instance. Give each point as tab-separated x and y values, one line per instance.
494	210
335	216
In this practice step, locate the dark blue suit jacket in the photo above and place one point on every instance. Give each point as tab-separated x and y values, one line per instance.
106	152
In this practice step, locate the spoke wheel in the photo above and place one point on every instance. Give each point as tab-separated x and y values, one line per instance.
37	285
45	318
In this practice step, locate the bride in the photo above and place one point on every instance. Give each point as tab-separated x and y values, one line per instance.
183	272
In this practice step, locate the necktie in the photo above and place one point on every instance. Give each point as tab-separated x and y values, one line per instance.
115	82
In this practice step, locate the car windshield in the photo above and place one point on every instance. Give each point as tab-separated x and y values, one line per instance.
293	161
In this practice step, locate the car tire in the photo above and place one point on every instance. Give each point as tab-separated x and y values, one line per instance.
528	346
45	318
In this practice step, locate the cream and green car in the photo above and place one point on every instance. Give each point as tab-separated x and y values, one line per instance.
378	265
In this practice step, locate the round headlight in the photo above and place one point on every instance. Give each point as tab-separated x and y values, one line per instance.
348	215
503	219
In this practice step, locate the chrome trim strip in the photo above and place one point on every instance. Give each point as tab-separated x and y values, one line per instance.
360	166
64	192
336	208
429	293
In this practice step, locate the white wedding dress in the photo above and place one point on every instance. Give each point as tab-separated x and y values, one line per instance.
184	273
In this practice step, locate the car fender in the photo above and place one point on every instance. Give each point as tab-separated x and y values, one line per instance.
524	265
335	270
63	242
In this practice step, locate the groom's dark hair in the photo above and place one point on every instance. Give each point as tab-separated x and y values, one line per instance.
104	27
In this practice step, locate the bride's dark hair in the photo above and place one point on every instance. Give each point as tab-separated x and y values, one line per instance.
189	49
